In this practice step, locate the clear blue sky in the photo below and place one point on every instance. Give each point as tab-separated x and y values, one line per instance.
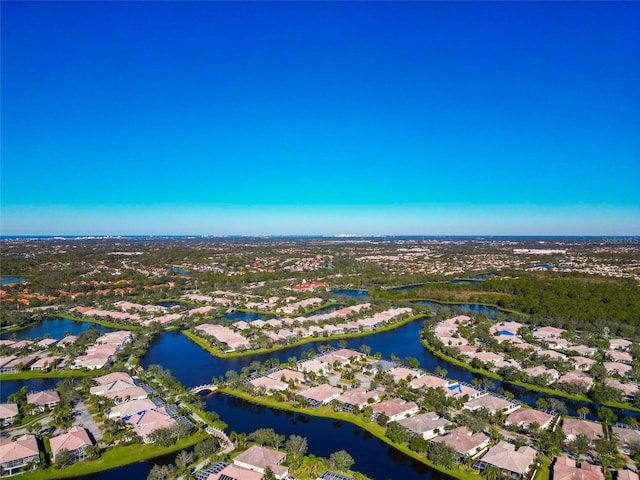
320	118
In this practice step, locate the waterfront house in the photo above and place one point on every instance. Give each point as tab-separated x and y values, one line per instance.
287	375
628	436
504	456
314	366
629	390
578	378
429	381
427	425
460	390
127	409
120	390
491	403
465	442
402	373
573	427
359	397
525	417
16	454
75	441
45	363
146	422
258	458
565	469
234	472
44	400
395	409
551	374
343	357
269	385
320	395
8	412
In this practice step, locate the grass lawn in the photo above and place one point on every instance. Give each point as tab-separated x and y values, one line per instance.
28	374
115	457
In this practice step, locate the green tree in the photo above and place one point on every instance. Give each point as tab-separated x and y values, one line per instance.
296	446
341	460
579	446
442	454
64	458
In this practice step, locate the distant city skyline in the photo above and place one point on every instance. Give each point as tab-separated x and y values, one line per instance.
305	118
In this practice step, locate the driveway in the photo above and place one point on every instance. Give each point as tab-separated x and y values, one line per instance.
84	419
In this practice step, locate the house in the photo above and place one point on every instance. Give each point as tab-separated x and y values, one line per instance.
627	475
525	417
546	333
619	356
45	363
233	472
129	408
551	374
120	390
460	390
286	375
578	378
320	395
492	403
8	412
46	399
565	469
429	381
573	427
16	456
582	363
617	368
427	425
402	373
628	436
146	422
630	390
514	463
258	458
395	409
463	441
268	384
358	397
619	344
314	366
74	441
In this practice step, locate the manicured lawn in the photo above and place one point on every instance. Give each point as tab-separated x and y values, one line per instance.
115	457
28	374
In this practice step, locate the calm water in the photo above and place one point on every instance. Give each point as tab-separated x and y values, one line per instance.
56	327
351	292
325	436
194	366
7	280
7	387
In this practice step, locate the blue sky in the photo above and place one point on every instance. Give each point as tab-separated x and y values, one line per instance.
320	118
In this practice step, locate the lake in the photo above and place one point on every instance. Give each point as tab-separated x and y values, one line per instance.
56	327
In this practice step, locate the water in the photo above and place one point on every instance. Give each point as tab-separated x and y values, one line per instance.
8	280
8	387
138	470
350	292
324	436
56	327
246	316
169	304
